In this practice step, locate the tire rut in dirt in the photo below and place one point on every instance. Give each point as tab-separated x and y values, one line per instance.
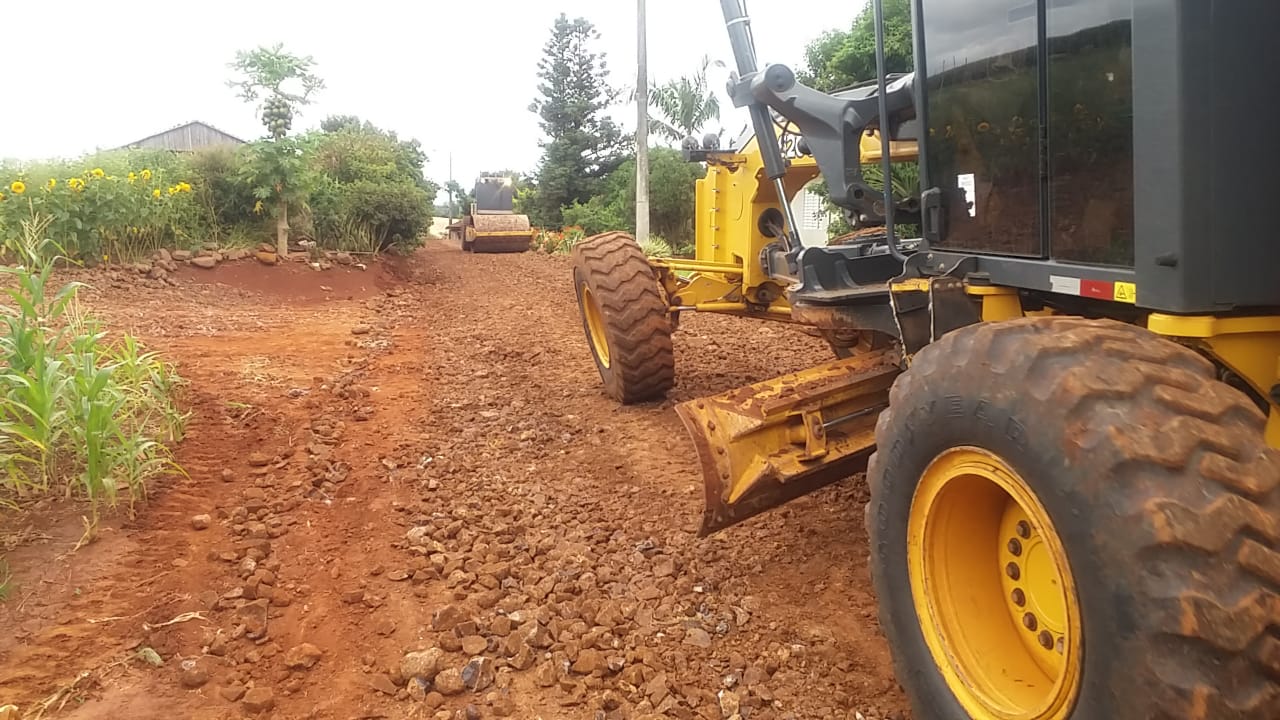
1159	483
641	363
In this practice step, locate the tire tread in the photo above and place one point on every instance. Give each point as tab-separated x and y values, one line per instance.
642	359
1184	449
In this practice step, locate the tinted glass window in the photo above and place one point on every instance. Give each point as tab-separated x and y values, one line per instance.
983	152
1091	130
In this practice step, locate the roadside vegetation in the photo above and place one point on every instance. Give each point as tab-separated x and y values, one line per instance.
346	185
82	413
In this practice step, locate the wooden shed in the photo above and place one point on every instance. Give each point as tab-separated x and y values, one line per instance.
191	136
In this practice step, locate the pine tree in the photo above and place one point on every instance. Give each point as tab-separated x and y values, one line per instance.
582	144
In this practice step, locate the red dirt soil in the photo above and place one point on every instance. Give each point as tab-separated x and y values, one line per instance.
419	456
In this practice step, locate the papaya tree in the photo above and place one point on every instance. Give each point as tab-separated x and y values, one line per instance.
280	84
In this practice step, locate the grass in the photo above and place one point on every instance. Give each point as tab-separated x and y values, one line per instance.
80	414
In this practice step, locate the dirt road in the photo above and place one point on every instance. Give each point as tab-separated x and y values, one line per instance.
419	504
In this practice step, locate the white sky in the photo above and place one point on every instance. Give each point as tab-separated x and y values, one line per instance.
86	74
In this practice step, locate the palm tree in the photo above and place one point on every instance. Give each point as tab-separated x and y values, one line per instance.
685	105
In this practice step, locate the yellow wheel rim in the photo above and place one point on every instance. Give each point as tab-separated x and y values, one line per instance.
993	590
595	325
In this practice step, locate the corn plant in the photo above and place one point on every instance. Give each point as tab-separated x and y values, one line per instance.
77	411
34	377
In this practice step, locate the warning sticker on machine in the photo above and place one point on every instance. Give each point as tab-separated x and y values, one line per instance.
1125	292
1064	285
969	185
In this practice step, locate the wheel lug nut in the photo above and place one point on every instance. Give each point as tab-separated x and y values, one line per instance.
1046	640
1019	597
1024	529
1013	571
1015	547
1029	621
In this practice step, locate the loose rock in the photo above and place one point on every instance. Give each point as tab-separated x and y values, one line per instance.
259	699
730	704
478	674
194	674
302	657
382	683
421	664
449	682
589	662
448	617
697	637
201	522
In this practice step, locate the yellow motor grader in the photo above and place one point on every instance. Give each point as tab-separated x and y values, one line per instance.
1065	393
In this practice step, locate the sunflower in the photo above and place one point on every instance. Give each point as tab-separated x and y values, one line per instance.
17	187
146	174
75	184
156	193
132	177
53	183
97	172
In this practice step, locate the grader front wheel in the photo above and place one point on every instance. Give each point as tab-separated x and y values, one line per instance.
624	317
1072	519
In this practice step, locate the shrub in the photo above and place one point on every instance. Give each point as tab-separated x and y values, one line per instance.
77	412
656	247
225	205
371	194
559	242
396	214
548	241
597	215
671	193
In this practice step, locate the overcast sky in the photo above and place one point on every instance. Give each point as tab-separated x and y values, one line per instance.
80	75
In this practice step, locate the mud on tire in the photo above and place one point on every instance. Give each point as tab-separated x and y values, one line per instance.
1160	486
631	340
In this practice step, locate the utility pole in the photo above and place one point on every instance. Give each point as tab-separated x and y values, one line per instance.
642	126
450	187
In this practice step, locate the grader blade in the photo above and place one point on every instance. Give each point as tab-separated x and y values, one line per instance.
765	444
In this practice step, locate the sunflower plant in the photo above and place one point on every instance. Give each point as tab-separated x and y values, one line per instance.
96	214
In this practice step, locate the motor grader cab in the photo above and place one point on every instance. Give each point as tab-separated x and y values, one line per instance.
1071	436
491	224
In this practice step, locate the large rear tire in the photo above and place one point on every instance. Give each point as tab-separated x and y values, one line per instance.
1072	518
624	317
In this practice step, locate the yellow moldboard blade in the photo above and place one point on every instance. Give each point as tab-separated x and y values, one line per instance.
767	443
